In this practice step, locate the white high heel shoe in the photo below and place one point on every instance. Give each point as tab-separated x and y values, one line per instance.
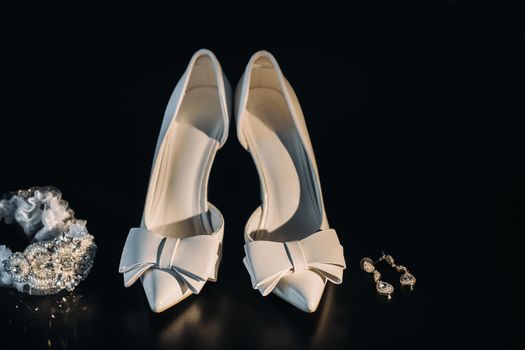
290	248
178	246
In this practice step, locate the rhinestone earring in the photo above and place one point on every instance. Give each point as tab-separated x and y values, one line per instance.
383	288
407	279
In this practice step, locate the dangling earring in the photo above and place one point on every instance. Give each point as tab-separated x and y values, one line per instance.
383	288
407	279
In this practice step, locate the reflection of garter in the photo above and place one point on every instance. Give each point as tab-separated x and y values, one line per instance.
62	250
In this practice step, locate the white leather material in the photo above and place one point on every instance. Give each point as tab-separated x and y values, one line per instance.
242	94
290	248
303	290
145	250
174	103
163	289
267	261
178	246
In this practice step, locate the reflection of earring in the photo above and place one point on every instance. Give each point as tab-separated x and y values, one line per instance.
382	287
407	279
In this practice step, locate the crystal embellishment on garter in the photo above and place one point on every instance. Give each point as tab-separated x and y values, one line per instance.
62	251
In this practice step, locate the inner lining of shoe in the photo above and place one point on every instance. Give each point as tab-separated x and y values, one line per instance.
176	204
290	207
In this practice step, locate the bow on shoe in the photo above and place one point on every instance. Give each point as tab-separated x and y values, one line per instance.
193	258
268	262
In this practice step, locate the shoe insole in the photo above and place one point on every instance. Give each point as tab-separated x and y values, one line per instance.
176	205
290	208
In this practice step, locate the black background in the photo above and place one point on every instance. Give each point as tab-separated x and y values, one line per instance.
414	110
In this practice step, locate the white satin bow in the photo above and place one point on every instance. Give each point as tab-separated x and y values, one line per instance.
268	261
192	258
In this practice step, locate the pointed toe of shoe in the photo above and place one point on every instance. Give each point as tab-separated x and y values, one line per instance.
162	290
302	289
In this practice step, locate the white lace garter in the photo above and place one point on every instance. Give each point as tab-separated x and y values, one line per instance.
61	252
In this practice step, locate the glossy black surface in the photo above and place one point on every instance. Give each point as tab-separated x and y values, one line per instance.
415	114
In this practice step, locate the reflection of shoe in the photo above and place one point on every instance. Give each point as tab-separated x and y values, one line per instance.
177	248
290	249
